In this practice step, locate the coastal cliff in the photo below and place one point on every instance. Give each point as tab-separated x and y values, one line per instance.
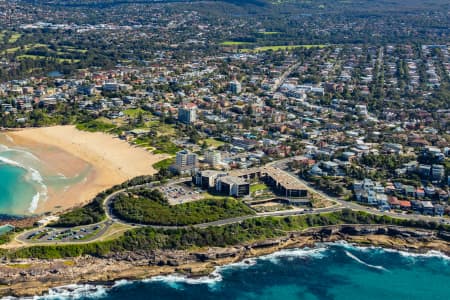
27	277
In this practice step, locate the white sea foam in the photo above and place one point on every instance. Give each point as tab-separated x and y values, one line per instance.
428	254
34	202
42	194
245	264
33	176
22	151
352	256
122	282
74	291
174	280
318	253
62	176
11	162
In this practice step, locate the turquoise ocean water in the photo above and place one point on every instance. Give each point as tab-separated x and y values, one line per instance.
24	183
329	272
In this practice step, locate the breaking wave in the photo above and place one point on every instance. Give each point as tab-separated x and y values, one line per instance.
176	281
33	176
375	249
180	282
428	254
290	254
73	292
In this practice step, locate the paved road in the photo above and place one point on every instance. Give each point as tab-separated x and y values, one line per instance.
23	238
283	77
281	164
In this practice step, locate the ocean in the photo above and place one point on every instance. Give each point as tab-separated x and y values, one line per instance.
336	271
25	181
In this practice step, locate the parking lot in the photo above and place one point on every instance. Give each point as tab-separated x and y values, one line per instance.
65	235
180	193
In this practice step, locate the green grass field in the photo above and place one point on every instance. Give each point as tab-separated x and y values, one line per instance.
14	38
66	49
58	55
213	142
60	60
25	48
134	112
166	163
258	187
95	125
269	32
278	48
233	43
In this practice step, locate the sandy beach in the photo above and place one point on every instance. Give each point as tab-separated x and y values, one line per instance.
106	160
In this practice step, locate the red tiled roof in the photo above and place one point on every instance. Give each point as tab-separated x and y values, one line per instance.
404	203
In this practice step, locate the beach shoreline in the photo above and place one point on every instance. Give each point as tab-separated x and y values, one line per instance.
42	275
64	150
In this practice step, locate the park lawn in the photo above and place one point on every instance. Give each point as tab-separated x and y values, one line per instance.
282	47
164	164
165	148
234	43
60	60
213	142
95	125
134	112
14	38
258	187
163	129
160	144
66	49
269	32
25	48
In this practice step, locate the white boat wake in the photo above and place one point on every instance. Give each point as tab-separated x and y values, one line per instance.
352	256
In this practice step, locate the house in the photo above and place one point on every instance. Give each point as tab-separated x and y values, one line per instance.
427	208
398	186
443	195
409	190
439	210
393	202
430	191
424	171
437	172
420	193
416	205
405	205
331	167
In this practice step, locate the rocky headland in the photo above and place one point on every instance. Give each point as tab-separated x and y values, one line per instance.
29	277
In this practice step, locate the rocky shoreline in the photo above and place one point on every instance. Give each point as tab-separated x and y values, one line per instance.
30	277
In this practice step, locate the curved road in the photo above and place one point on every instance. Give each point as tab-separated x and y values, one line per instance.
340	204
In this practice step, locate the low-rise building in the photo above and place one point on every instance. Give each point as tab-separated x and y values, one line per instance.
233	186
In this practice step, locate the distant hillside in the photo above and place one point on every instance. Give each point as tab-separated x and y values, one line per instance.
110	3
